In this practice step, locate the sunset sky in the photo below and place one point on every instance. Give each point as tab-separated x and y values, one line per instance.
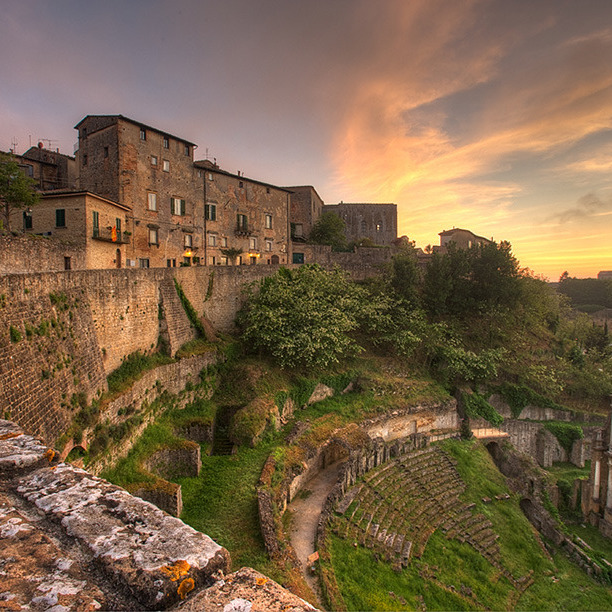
491	115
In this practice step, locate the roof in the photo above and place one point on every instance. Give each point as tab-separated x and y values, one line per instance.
450	232
140	124
206	164
363	204
295	187
74	193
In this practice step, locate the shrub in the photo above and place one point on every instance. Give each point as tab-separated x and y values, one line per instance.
566	433
15	334
477	406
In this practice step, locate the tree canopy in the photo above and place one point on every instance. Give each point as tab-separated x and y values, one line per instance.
329	229
16	189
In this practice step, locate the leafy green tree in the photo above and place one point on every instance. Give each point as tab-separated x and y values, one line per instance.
329	229
304	316
16	189
404	275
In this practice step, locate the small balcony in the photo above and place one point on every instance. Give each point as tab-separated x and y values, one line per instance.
109	234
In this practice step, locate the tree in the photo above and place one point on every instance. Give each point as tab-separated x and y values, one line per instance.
329	229
404	274
16	189
231	254
303	316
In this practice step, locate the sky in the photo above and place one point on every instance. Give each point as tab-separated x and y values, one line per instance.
490	115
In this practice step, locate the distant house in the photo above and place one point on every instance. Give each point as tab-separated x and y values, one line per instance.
461	238
378	222
605	275
50	170
92	226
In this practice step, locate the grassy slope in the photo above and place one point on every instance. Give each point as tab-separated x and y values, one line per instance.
558	583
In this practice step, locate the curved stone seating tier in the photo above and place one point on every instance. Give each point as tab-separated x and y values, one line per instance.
397	507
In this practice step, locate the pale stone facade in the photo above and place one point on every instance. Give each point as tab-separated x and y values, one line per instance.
94	227
306	209
462	238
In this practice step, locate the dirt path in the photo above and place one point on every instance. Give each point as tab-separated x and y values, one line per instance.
306	511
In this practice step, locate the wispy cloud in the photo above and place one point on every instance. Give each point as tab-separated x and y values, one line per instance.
588	205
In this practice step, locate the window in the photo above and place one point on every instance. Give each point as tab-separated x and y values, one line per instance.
268	245
154	160
223	260
268	222
252	243
298	229
143	262
96	224
166	142
186	149
166	166
143	134
364	227
118	227
177	206
379	227
267	190
60	217
188	240
84	160
210	212
152	201
153	237
105	152
211	261
27	220
298	258
224	241
210	176
29	170
171	263
242	223
67	263
212	240
240	184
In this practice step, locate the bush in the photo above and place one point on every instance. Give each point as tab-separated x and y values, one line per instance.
477	406
15	334
304	316
566	433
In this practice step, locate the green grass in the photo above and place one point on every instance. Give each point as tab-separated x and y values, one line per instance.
132	368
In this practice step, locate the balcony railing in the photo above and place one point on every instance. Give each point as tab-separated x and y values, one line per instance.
110	235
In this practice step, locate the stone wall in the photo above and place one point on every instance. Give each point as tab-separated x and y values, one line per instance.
28	254
71	541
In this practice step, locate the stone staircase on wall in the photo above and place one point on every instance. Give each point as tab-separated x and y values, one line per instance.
399	505
175	324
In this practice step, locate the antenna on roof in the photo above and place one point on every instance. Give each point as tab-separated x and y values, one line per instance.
14	144
50	143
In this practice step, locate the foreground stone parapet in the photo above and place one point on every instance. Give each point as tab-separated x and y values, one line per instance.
35	574
19	452
245	591
153	557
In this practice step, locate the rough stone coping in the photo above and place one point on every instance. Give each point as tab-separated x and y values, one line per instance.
245	591
19	451
35	574
146	553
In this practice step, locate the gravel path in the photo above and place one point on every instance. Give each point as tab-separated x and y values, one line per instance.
306	511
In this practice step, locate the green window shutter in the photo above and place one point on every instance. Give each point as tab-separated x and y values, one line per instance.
214	213
182	207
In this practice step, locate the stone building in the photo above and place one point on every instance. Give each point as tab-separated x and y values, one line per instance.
49	169
151	173
306	208
597	491
462	238
91	228
378	222
245	215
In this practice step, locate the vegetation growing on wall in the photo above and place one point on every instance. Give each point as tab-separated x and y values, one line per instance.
477	406
566	433
519	396
192	315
